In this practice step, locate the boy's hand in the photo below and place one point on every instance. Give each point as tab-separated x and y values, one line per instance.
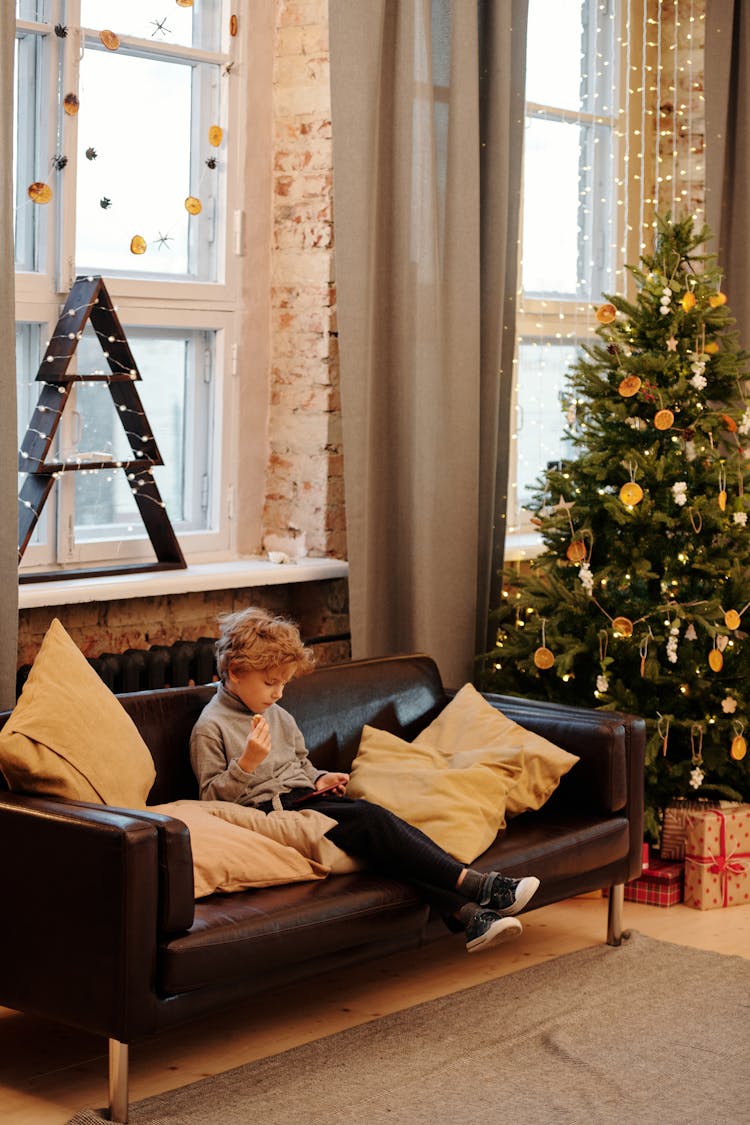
339	780
257	747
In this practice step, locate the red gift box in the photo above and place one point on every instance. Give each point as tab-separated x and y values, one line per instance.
717	858
659	885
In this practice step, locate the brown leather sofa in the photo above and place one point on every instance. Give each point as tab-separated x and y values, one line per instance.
102	931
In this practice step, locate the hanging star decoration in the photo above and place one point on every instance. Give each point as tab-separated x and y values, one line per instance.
160	27
91	153
211	162
59	161
163	240
672	344
61	30
105	203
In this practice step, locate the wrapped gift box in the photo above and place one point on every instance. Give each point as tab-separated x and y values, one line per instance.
660	884
674	824
717	858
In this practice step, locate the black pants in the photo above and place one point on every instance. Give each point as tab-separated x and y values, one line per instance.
387	844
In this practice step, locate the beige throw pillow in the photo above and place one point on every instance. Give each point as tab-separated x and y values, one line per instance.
470	721
228	857
457	799
69	736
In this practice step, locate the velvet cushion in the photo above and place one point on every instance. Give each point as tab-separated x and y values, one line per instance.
455	798
470	721
68	735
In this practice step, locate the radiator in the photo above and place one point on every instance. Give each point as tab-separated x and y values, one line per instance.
180	664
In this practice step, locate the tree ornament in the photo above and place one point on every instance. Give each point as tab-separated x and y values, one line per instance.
109	39
137	244
715	660
717	299
631	494
688	301
606	313
738	748
215	133
543	657
732	619
193	205
664	419
71	105
39	192
629	386
622	627
576	551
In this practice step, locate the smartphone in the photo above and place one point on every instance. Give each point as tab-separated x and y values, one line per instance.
316	793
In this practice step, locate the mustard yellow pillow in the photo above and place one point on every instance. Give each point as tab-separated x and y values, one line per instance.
227	857
469	721
69	736
458	800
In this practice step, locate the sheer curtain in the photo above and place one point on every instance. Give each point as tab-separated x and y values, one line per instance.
427	110
727	94
8	438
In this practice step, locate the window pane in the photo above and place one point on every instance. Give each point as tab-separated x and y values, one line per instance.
34	11
192	26
553	53
542	371
550	206
176	403
138	173
27	145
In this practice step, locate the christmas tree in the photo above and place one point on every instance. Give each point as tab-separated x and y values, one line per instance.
638	600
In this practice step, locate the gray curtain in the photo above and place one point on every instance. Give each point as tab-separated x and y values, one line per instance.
427	111
8	439
727	94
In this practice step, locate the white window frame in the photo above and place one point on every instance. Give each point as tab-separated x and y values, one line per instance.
153	302
550	317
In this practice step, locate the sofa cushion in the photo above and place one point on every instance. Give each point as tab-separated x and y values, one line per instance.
68	736
457	799
469	721
231	856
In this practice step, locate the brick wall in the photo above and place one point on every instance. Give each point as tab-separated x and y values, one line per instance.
304	507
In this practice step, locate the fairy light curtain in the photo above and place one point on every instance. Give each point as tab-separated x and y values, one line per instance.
638	109
8	502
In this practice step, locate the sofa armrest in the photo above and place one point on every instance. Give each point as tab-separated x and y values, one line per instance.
176	879
80	891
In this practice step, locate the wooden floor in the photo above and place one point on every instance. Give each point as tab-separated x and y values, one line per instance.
47	1072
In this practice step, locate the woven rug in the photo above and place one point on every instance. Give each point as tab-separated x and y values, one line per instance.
646	1032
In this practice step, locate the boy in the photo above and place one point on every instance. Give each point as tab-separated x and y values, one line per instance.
245	748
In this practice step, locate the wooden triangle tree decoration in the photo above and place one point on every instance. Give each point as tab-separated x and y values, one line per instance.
89	300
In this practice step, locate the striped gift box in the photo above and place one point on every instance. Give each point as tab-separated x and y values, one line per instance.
660	884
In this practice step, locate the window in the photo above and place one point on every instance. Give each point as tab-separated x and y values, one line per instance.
571	229
130	117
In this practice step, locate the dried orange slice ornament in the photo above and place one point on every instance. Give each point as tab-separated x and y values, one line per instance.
109	39
622	626
576	551
184	3
664	419
137	245
688	301
193	205
715	660
717	299
71	105
738	749
732	619
606	313
39	192
631	493
629	386
215	133
543	658
722	499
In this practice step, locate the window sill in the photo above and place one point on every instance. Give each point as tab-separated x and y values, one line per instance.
236	574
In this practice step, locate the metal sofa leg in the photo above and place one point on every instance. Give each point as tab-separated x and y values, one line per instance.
118	1080
614	914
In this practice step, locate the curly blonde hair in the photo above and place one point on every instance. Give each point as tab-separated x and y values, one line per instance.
253	638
